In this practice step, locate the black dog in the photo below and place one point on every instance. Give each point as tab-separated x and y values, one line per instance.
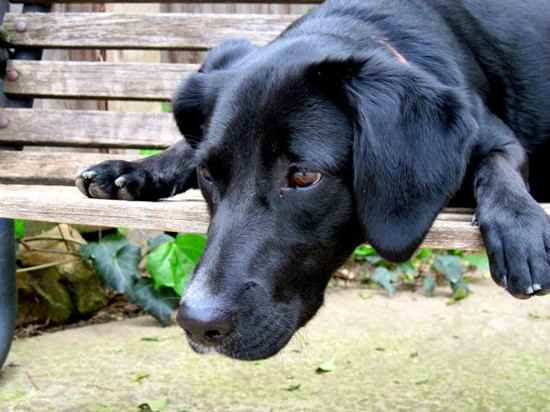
359	123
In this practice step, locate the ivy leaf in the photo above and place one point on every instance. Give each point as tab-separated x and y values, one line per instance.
171	263
19	229
158	303
479	260
429	285
149	152
155	242
424	254
192	245
386	279
364	251
116	261
169	266
450	266
460	291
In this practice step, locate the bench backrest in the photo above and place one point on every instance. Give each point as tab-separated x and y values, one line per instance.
105	80
25	175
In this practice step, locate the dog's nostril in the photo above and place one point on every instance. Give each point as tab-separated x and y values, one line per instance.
206	325
213	334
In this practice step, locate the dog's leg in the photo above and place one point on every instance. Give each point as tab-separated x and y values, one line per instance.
516	230
151	178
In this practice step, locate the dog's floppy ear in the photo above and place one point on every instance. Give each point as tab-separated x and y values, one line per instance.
195	99
413	139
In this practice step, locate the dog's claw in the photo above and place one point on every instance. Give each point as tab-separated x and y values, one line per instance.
89	175
475	222
121	182
504	283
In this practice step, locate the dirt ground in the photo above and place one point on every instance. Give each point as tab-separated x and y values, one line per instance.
410	353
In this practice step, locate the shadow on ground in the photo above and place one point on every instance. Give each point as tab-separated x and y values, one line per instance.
488	353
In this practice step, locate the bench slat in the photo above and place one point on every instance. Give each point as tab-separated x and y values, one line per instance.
67	205
47	168
175	1
77	128
185	213
183	31
94	80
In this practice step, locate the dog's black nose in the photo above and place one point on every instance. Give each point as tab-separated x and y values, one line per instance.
205	325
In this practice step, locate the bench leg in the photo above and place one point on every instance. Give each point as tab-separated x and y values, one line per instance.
8	291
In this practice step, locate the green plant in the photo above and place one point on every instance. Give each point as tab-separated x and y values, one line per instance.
423	271
169	262
19	229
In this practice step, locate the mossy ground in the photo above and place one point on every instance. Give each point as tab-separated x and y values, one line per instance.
410	353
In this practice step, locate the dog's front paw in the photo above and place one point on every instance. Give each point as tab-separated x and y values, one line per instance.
116	179
518	245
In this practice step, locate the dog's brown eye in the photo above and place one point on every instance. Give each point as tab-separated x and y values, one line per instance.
205	173
301	179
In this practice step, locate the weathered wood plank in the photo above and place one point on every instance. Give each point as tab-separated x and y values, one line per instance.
47	168
183	31
85	80
66	205
186	213
175	1
32	127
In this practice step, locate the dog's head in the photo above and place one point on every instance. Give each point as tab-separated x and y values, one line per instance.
303	154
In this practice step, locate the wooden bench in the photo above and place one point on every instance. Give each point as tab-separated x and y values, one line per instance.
38	185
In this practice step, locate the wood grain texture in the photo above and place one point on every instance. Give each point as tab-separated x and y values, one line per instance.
181	31
62	204
49	168
176	1
184	213
75	128
101	80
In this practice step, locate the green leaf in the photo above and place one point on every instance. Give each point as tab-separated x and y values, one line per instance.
479	260
19	229
123	231
460	291
149	152
386	279
424	254
169	266
375	260
192	245
326	367
362	252
450	266
154	242
158	303
171	263
429	285
116	261
409	272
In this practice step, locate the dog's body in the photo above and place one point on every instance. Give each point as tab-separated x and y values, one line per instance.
359	123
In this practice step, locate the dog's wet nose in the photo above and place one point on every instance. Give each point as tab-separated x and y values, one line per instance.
205	325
